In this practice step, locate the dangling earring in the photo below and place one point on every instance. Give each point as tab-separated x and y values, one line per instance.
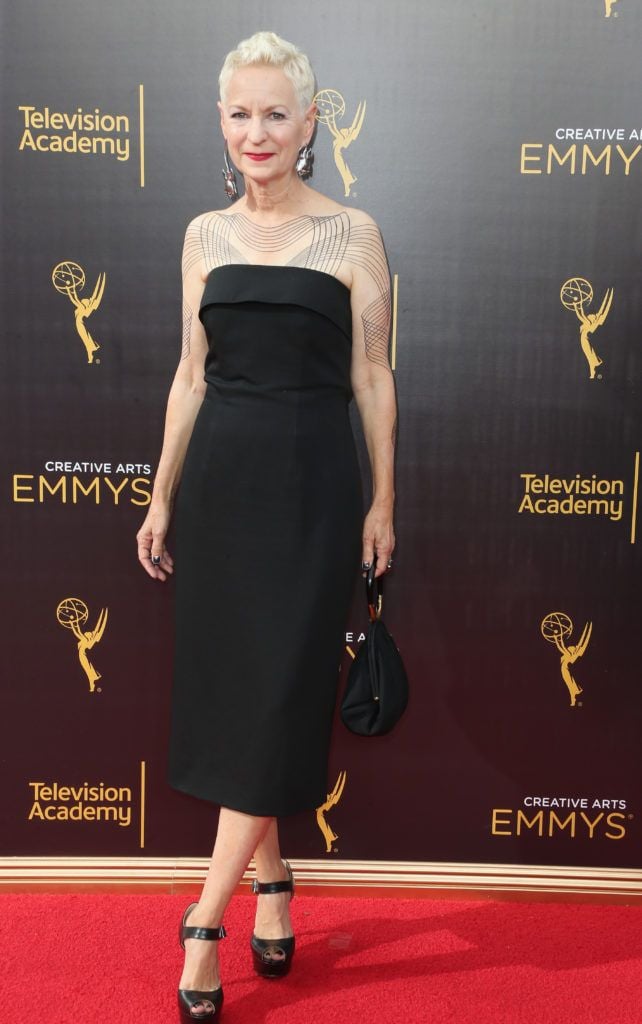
231	188
304	161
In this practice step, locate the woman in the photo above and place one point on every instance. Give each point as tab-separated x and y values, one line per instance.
286	301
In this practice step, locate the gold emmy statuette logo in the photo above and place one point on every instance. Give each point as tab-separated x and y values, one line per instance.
608	8
556	628
330	106
72	613
576	293
333	798
67	279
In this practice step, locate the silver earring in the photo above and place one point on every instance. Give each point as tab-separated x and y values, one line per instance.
304	161
231	188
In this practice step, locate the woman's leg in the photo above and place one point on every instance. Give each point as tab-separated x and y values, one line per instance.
272	911
238	835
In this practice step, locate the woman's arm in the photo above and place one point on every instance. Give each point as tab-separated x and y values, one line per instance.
372	381
185	397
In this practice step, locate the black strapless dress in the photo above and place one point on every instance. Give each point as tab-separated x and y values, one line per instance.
268	542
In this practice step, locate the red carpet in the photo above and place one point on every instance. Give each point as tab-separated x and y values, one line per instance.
109	959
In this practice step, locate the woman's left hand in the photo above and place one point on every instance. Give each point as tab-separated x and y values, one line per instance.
378	537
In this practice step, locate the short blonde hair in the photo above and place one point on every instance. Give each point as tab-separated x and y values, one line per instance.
268	48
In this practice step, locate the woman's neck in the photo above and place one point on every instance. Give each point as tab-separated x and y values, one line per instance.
275	200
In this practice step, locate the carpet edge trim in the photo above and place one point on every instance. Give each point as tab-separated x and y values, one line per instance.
184	873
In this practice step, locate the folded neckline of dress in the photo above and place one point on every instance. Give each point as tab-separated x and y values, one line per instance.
318	294
279	266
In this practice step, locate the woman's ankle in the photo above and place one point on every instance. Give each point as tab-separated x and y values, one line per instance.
273	870
203	917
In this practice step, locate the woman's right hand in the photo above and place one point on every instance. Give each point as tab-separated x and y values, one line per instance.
151	541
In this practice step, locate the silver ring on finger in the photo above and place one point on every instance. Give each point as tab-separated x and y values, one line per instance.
156	559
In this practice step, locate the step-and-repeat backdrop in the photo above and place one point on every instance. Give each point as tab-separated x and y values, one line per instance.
499	147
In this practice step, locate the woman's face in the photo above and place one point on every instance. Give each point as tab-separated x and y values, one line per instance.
263	123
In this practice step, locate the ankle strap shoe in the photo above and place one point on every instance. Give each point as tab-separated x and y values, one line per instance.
211	1002
273	957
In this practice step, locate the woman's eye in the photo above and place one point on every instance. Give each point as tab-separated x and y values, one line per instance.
277	115
238	114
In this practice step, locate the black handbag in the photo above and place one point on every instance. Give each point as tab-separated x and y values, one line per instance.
376	692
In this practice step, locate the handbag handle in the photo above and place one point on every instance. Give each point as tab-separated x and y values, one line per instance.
374	592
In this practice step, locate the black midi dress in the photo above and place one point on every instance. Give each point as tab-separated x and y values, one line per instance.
268	537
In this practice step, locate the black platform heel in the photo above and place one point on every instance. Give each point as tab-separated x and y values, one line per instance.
264	950
187	997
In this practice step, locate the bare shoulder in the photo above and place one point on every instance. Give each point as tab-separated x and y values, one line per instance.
323	205
316	204
205	220
319	205
366	253
201	236
361	219
366	242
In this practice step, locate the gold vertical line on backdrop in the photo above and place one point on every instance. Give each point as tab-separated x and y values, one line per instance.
141	99
393	349
142	805
636	482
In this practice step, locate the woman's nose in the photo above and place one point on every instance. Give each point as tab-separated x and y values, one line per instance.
256	130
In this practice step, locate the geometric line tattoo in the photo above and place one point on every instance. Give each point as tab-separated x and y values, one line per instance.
187	330
320	243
